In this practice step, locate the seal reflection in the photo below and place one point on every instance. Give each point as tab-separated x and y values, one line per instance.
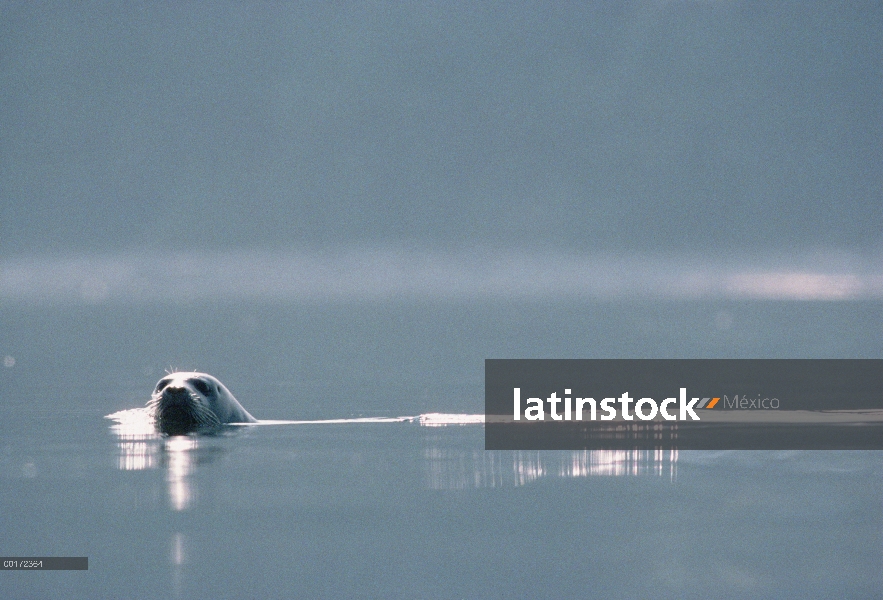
446	464
179	454
142	447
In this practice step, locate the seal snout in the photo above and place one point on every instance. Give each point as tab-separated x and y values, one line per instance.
175	399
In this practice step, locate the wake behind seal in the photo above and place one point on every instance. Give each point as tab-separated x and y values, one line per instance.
188	401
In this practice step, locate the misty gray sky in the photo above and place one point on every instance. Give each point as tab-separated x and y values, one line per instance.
614	126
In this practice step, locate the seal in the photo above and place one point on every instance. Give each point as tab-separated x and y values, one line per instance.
188	401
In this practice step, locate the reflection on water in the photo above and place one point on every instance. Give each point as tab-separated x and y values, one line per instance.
178	557
141	447
445	464
137	456
176	453
447	468
179	452
138	447
445	460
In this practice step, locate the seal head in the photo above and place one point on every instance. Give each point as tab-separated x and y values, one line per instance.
188	401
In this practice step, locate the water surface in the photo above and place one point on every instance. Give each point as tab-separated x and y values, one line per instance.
399	510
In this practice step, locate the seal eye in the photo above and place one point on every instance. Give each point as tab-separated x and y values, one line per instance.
162	383
202	386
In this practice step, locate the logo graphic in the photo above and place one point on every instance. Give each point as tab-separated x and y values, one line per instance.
654	404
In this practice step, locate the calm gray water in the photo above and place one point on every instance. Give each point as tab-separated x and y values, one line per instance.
391	510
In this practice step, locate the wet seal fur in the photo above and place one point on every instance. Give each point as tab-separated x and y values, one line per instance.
185	402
